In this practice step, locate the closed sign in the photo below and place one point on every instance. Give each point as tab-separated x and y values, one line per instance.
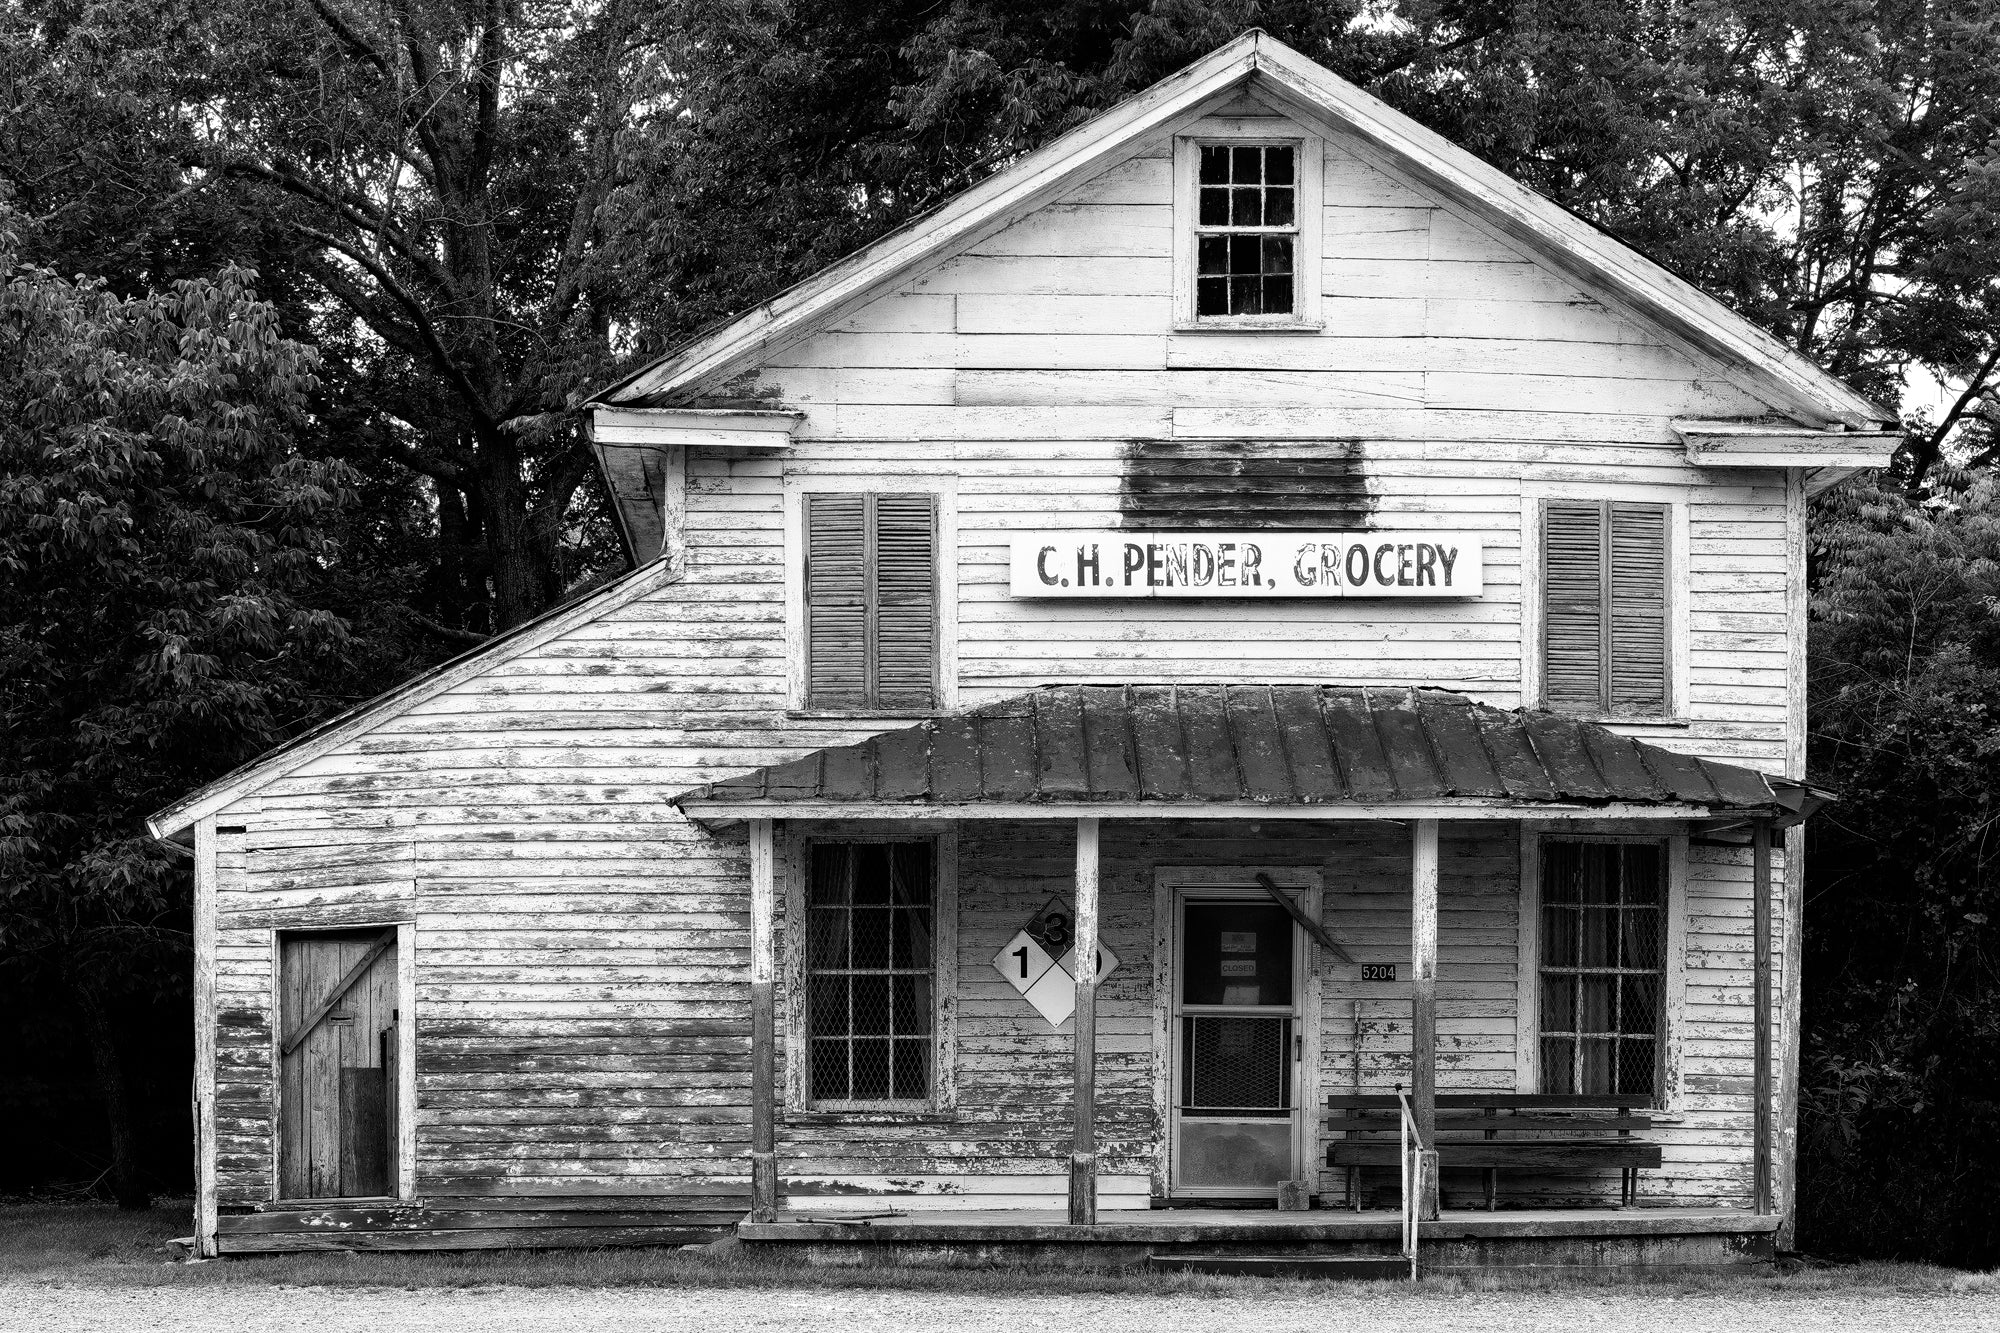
1245	565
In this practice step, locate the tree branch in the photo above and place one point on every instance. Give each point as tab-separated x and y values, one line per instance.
446	362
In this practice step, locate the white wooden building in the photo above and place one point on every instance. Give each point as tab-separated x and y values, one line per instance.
1249	533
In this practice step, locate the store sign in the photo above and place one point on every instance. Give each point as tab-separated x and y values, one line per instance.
1245	565
1040	962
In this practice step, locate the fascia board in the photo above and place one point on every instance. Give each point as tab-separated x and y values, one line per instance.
1580	250
336	732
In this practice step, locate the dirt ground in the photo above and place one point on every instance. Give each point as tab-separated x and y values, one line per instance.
82	1269
1277	1308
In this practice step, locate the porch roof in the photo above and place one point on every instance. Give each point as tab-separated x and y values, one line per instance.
1187	750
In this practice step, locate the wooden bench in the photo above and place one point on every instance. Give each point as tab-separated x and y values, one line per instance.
1567	1133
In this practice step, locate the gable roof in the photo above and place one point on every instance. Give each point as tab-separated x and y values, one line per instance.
1186	749
338	730
1682	313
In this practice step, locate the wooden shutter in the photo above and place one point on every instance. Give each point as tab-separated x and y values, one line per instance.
905	601
1573	637
1604	607
1638	606
871	601
836	601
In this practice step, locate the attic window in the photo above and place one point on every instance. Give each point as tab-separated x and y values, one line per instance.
1247	231
1246	212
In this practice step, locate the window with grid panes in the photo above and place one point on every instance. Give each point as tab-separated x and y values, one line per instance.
1602	967
1246	230
869	972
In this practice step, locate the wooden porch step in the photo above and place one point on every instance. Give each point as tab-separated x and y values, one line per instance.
1325	1267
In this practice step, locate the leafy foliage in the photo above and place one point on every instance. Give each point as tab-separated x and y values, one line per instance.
1900	1122
171	604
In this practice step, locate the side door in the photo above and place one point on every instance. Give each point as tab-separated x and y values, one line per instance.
337	1064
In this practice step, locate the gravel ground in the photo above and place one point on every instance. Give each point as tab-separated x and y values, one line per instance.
86	1309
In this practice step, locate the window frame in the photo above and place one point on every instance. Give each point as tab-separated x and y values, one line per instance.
1668	1093
1309	206
1678	504
796	863
943	490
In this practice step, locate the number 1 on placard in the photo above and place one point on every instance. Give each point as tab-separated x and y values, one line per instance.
1022	954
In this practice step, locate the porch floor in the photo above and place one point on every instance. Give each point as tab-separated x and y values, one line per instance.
1181	1226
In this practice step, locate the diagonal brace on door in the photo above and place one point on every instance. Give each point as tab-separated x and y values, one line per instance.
1306	923
339	991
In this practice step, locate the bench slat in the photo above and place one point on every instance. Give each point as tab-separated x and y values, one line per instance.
1546	1155
1363	1122
1499	1101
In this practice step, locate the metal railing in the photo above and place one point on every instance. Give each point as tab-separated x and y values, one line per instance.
1411	1155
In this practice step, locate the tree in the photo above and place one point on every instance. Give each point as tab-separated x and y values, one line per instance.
170	605
1900	1119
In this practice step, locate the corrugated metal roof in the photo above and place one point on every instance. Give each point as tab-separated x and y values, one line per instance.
1274	744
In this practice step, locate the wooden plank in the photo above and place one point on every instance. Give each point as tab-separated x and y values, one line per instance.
763	1023
354	973
476	1239
205	890
1083	1144
1577	1155
1760	845
1314	929
1423	995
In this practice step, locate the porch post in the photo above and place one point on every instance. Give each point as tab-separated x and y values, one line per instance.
1423	1003
1760	888
1083	1147
763	1026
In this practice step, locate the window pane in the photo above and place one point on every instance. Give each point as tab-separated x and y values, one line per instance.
1278	208
1639	938
1639	1005
1637	1063
871	1070
1212	255
1594	999
1596	1061
912	1072
1214	165
910	945
1274	255
1558	1004
1597	866
1246	166
1558	1064
871	872
1597	928
829	1070
1214	208
870	935
1642	873
1243	293
1246	208
829	1006
1211	296
1277	296
827	881
871	1005
1559	937
1561	871
1278	166
826	937
910	1008
910	863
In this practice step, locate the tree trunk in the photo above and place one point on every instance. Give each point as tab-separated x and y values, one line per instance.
126	1186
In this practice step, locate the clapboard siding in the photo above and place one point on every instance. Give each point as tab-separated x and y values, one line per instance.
581	951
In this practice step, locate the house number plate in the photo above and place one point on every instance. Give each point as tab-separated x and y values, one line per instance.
1378	971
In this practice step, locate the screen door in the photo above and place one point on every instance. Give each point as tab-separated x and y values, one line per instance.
1236	1034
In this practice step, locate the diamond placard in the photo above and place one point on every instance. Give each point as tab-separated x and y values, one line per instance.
1022	961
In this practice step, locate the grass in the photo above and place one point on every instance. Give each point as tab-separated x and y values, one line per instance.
97	1245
